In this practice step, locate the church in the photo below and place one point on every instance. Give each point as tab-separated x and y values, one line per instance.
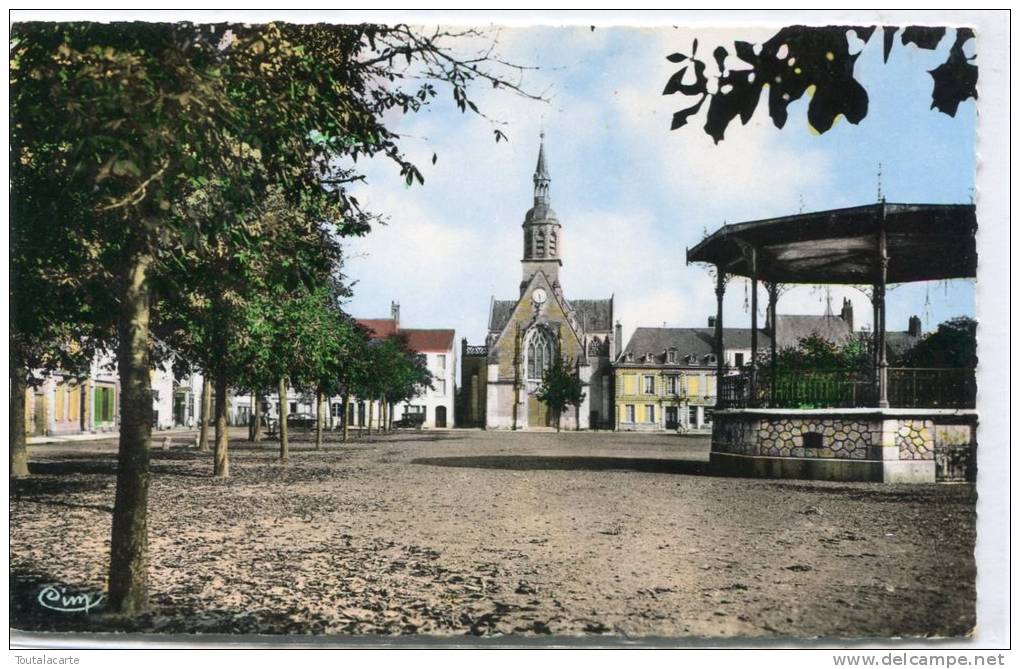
499	379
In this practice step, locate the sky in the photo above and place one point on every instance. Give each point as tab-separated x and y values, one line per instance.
631	195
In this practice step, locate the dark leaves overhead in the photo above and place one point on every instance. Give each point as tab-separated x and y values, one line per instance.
956	79
800	60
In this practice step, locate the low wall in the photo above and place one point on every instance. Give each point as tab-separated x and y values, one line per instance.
893	445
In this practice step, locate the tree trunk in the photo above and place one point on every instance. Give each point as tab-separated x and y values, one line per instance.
19	444
371	406
559	416
221	458
319	410
203	429
382	415
257	434
346	417
389	416
284	444
251	420
128	582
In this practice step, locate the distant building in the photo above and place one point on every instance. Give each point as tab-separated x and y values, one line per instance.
525	334
665	377
437	347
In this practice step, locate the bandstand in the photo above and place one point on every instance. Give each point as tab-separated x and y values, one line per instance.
882	424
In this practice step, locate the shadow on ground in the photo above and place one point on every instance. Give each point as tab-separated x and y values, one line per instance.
572	463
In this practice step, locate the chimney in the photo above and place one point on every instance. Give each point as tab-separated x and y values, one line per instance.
395	314
711	321
847	313
914	326
619	336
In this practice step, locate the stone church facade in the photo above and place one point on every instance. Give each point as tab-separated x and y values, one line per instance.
499	379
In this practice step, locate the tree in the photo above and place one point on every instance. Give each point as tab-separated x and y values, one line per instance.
953	344
403	373
817	353
561	387
124	122
814	60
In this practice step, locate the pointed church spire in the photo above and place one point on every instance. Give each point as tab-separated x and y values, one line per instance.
541	173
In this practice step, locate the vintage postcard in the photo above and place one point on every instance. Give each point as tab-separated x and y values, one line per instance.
647	329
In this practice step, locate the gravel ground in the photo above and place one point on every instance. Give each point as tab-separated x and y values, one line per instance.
484	533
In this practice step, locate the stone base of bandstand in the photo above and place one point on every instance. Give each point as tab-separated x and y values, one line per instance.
880	445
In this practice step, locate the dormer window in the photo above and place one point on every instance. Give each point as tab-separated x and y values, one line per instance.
630	356
710	359
692	359
671	356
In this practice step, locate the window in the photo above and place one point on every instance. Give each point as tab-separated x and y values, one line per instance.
738	359
441	386
710	359
649	413
671	385
692	416
707	416
293	407
671	356
539	355
693	386
103	404
649	385
630	413
441	359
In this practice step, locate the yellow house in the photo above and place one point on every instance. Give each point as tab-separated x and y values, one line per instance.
665	377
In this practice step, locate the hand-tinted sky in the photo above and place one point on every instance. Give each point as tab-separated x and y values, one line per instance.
632	195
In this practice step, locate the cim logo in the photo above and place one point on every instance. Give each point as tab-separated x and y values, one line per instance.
57	598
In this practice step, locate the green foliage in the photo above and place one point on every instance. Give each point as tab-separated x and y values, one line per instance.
818	353
953	344
561	386
393	371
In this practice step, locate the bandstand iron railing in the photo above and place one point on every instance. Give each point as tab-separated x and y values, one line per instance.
908	388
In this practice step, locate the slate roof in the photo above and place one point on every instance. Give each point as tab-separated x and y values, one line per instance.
790	329
897	344
594	315
698	342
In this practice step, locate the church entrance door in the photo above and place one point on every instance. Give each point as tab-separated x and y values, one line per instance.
539	414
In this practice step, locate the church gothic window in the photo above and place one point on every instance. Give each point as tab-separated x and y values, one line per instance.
552	243
540	243
539	355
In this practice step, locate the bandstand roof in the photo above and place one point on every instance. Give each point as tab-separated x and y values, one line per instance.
924	242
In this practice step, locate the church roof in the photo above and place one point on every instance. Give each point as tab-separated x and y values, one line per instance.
540	169
593	315
541	212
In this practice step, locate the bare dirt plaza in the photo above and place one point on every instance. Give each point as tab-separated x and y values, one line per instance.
497	533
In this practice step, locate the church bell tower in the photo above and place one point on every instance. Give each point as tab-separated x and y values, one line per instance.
543	240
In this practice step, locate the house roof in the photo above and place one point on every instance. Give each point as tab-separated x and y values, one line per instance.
698	342
420	340
897	344
593	315
790	329
379	328
428	341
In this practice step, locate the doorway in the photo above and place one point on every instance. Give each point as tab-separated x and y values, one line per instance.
440	416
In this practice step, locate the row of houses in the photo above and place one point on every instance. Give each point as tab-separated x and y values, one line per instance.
64	405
